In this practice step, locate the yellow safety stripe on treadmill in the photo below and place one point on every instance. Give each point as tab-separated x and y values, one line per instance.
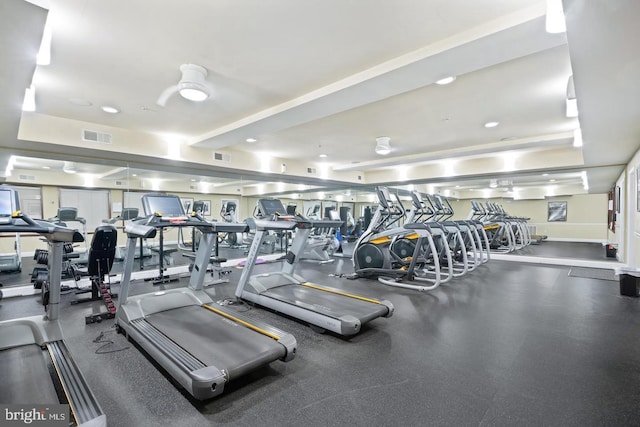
380	240
66	392
242	322
412	236
491	227
333	291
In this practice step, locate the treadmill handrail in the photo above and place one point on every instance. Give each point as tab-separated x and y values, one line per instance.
326	223
21	223
230	227
263	224
137	230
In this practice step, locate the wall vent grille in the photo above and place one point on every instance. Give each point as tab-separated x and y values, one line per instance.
95	136
221	157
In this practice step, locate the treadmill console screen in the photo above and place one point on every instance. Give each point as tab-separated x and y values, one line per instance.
129	213
384	197
334	215
417	200
269	207
198	206
166	205
8	201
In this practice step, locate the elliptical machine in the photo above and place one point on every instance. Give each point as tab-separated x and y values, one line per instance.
228	213
373	257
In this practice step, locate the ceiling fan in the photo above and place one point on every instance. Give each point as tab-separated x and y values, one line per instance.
192	86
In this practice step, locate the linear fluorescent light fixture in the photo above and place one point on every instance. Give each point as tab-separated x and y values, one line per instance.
44	54
69	167
29	103
577	137
572	102
555	21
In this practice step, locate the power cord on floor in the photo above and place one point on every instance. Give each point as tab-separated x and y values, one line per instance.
100	339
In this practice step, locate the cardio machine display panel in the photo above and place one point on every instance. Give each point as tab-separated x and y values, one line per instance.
8	201
166	205
269	207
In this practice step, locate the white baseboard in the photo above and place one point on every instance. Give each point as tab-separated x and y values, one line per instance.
26	290
567	262
575	240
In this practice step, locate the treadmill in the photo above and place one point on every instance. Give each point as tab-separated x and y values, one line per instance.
36	366
200	344
324	308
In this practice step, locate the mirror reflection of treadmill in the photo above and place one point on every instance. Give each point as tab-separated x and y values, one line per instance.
200	344
285	292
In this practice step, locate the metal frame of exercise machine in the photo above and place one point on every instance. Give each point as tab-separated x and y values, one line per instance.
202	345
24	341
322	307
373	256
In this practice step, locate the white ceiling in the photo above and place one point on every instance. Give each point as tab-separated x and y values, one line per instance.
329	76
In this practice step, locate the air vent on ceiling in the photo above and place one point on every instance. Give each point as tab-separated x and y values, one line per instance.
120	183
94	136
359	177
27	177
193	187
222	157
312	171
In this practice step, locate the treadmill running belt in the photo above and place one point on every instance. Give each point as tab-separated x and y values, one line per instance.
327	303
217	341
25	376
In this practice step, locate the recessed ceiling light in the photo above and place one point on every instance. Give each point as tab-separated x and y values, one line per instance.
251	140
552	180
323	155
109	109
491	124
193	180
545	174
46	167
446	80
134	174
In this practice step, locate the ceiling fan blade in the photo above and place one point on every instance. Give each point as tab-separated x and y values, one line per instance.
166	94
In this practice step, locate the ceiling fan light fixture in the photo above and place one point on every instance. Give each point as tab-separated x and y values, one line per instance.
383	146
192	92
192	84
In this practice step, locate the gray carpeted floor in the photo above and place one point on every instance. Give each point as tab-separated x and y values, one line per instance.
508	344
